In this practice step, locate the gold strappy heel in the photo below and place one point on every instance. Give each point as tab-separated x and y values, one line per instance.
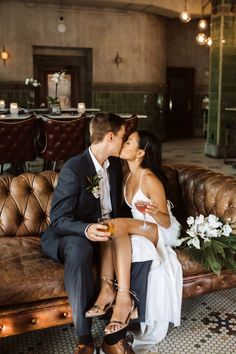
96	310
133	314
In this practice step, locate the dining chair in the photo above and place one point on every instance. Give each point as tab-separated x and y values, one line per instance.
17	143
131	124
59	140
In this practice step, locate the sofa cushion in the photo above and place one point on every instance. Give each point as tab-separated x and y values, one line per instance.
26	273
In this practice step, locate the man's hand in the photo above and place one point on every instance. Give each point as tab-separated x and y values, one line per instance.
97	233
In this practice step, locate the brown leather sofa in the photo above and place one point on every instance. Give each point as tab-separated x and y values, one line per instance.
32	294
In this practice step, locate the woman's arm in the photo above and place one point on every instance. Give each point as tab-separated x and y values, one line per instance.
153	189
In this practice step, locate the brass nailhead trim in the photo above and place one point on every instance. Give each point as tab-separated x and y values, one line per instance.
34	320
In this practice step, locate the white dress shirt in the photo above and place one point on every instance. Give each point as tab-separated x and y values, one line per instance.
104	185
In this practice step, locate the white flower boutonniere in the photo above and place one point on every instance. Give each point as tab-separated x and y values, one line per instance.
94	187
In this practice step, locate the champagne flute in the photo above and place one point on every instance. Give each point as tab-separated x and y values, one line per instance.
110	225
141	206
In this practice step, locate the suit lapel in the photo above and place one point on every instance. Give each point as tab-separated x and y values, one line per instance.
89	171
113	189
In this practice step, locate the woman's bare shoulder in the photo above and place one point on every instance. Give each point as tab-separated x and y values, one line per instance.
150	180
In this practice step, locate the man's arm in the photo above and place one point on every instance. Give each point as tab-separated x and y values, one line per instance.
64	205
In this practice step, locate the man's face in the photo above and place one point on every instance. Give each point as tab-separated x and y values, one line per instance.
118	141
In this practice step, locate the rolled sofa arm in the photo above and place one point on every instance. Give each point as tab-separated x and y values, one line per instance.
207	192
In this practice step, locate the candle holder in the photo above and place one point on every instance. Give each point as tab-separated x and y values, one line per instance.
2	104
81	107
14	109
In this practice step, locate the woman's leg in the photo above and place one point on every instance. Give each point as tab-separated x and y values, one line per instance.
107	291
122	253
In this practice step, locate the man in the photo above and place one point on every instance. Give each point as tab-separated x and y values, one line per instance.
89	187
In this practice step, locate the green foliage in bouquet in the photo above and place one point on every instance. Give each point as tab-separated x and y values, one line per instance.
210	242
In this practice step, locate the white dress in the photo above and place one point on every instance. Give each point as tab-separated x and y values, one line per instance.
165	281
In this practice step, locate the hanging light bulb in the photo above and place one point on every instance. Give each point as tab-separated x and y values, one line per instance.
202	25
201	38
184	15
209	41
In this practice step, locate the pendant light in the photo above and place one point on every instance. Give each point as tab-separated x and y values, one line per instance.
184	15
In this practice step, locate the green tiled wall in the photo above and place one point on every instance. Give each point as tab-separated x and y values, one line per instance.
222	88
151	104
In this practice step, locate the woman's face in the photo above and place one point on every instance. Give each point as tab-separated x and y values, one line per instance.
130	148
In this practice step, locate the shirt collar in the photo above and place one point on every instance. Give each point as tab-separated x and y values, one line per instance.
97	165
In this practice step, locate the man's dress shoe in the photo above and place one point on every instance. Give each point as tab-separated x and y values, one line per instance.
121	347
84	349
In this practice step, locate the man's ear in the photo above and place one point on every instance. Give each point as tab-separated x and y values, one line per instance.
109	136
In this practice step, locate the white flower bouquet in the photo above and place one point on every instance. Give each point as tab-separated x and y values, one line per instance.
210	242
56	78
32	82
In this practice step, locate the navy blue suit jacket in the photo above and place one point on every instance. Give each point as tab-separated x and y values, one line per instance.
73	207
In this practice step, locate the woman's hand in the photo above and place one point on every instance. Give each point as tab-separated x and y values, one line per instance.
152	209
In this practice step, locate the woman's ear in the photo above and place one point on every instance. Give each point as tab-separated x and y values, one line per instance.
140	154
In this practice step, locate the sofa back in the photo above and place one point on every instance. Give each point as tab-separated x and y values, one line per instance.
25	203
206	192
25	200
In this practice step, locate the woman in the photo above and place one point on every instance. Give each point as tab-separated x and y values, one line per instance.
146	182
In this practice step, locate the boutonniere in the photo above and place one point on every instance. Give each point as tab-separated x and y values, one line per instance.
94	187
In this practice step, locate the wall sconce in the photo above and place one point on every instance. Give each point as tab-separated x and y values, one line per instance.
61	27
4	55
118	59
184	16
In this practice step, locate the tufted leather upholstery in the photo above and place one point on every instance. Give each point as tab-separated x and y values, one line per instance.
17	141
32	294
61	139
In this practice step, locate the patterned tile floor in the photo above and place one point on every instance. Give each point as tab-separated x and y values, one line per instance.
208	326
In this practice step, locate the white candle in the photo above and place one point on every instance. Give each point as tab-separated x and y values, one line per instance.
14	109
2	104
81	107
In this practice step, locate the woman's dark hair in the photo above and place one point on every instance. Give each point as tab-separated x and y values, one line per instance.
152	158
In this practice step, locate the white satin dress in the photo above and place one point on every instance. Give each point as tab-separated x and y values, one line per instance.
165	280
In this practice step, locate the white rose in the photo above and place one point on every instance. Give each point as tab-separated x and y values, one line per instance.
226	230
191	233
214	221
96	192
190	220
213	233
199	219
195	242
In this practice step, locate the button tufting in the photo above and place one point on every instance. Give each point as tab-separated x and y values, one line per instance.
65	314
34	321
198	287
